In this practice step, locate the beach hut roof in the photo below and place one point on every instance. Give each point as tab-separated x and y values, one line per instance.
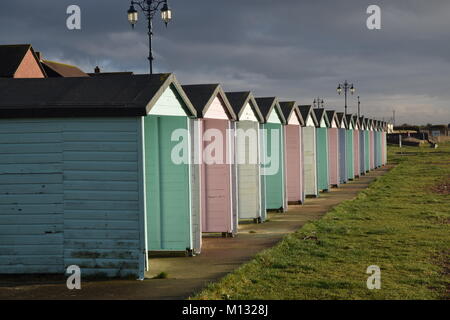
350	121
322	115
356	121
362	124
332	115
307	112
126	95
239	100
290	108
342	120
267	104
203	95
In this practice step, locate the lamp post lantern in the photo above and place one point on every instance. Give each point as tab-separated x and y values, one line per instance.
346	87
149	8
318	103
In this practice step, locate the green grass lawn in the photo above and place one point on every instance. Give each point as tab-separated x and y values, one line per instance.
400	223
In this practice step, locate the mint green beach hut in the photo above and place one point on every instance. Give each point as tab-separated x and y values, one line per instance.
274	160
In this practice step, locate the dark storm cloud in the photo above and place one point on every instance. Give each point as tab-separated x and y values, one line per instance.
290	48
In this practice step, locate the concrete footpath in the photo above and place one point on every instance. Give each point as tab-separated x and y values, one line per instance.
188	275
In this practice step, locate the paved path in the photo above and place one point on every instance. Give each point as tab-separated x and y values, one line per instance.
189	275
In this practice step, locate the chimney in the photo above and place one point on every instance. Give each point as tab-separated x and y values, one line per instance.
97	69
38	55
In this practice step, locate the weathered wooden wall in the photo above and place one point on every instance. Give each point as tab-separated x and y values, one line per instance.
70	195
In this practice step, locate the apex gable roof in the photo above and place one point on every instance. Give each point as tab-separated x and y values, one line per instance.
356	121
342	119
332	115
202	95
350	120
239	100
289	108
11	57
307	111
321	115
267	104
362	123
127	95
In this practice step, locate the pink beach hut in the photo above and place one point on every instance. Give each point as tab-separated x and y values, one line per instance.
356	146
333	148
215	150
372	143
294	152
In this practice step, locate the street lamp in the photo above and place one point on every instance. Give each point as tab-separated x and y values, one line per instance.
359	107
345	87
318	102
149	8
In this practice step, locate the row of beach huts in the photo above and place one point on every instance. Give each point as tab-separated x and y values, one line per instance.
99	171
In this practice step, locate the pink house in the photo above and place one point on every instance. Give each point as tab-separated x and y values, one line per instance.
20	61
216	149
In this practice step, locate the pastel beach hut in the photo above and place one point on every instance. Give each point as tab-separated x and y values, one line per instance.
294	152
366	145
376	144
356	153
333	148
87	174
350	147
383	142
343	162
172	225
248	157
371	129
362	146
274	164
323	124
215	141
379	144
309	150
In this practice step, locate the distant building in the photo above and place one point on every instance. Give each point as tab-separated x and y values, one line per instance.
61	70
21	61
437	131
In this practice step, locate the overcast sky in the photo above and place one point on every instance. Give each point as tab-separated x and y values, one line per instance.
292	49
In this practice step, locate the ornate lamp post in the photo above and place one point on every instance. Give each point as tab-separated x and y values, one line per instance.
359	108
346	87
318	103
149	8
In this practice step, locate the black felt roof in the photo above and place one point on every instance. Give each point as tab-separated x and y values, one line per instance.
341	117
331	114
265	105
320	113
306	111
287	107
356	120
126	95
200	94
237	100
349	118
